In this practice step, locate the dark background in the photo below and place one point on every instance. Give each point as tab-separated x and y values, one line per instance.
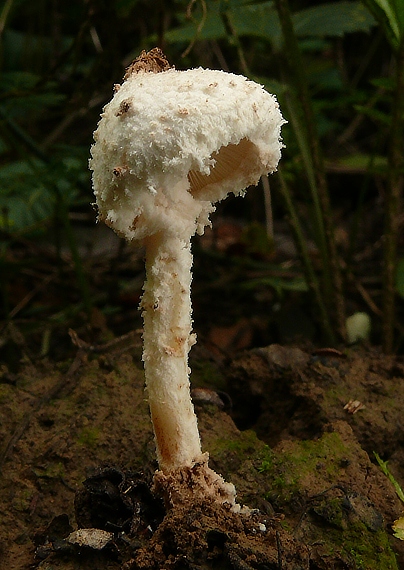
59	270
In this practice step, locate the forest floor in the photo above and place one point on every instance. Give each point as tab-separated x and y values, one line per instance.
306	464
293	426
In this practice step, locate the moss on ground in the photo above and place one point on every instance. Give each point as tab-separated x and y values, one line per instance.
321	512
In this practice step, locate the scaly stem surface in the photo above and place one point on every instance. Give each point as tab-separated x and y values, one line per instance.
166	310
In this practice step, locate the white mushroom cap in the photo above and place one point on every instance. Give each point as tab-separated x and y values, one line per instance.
169	144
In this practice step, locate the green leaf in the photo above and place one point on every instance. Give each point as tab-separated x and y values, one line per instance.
378	116
358	162
387	83
19	49
261	20
398	528
212	29
258	19
30	190
278	283
18	80
385	469
28	106
22	202
390	15
334	19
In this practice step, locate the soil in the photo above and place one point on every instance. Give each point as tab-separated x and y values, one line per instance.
78	453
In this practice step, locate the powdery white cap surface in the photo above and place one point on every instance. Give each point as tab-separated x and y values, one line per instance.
170	144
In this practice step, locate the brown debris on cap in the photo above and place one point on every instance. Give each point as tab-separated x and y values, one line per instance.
153	61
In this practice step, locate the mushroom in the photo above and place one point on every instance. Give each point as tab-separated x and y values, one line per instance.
168	146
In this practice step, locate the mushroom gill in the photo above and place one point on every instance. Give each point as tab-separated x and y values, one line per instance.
228	161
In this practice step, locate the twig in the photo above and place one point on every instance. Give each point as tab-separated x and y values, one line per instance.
57	133
29	296
279	549
100	348
235	40
350	130
199	27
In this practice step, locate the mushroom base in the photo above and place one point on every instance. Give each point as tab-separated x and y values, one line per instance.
190	484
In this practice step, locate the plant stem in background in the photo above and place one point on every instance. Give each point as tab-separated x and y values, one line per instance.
393	204
235	41
269	222
311	277
303	120
23	136
62	214
4	15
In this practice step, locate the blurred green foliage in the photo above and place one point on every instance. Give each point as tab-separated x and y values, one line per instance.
58	62
260	20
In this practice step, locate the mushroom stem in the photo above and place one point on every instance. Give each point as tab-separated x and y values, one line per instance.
166	311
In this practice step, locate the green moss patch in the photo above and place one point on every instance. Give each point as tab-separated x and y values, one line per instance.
316	486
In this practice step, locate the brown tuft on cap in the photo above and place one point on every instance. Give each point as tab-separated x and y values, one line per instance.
152	61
